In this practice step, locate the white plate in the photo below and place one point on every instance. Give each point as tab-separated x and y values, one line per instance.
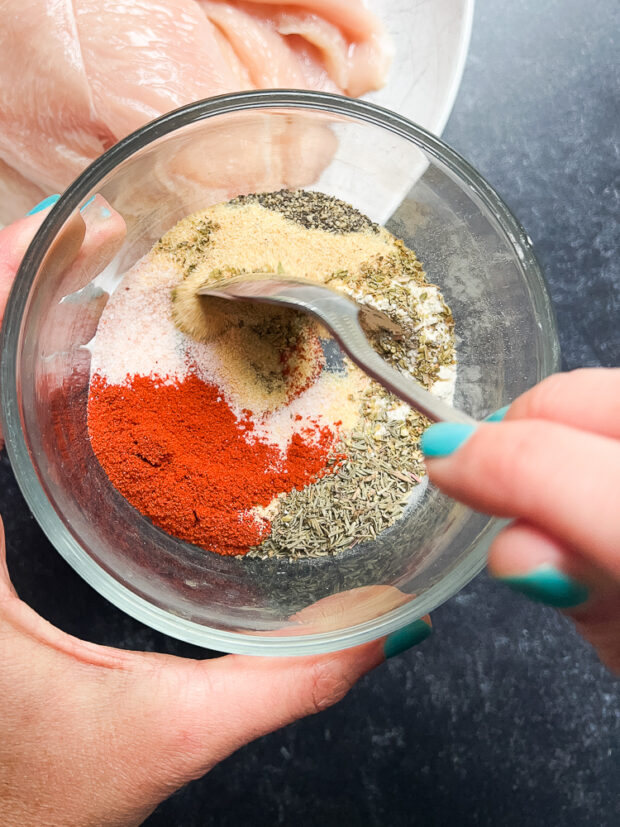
431	39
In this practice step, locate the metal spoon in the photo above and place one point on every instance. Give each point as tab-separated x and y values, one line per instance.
341	316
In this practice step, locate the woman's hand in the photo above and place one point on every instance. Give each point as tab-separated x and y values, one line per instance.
552	464
96	736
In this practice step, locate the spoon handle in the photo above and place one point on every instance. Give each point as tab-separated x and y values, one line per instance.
350	335
341	315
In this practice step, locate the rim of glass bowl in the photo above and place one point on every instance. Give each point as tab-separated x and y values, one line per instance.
24	471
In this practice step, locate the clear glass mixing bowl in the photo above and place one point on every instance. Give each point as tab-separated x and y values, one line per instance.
204	153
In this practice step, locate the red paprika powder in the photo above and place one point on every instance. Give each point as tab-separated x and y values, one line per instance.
178	454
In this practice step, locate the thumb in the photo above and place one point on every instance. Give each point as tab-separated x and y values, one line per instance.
14	241
222	704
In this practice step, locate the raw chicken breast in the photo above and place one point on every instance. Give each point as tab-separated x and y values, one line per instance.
75	77
341	37
269	62
350	15
285	45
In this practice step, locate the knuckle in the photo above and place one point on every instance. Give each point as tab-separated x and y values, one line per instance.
328	685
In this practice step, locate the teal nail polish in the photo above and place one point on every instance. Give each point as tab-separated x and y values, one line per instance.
43	205
444	438
549	585
498	415
90	201
405	638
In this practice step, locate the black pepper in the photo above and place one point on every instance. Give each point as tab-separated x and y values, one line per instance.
313	210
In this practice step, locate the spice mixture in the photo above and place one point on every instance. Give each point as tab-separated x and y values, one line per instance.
244	429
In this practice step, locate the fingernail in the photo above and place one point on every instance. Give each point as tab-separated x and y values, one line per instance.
444	438
550	586
90	201
498	415
405	638
43	205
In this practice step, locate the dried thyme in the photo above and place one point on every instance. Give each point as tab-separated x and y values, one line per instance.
186	252
367	494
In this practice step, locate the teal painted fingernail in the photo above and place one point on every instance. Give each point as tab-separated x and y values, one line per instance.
90	201
43	205
498	415
549	585
444	438
405	638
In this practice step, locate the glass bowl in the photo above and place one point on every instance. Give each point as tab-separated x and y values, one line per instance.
399	175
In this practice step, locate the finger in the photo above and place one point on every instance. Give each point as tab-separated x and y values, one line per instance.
349	608
72	321
14	241
253	696
543	568
561	480
104	236
87	243
587	399
256	696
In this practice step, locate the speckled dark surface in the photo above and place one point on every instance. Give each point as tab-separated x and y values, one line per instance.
505	717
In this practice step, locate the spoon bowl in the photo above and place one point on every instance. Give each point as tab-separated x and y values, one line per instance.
341	316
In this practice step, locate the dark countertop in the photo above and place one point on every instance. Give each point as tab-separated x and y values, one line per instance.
505	717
